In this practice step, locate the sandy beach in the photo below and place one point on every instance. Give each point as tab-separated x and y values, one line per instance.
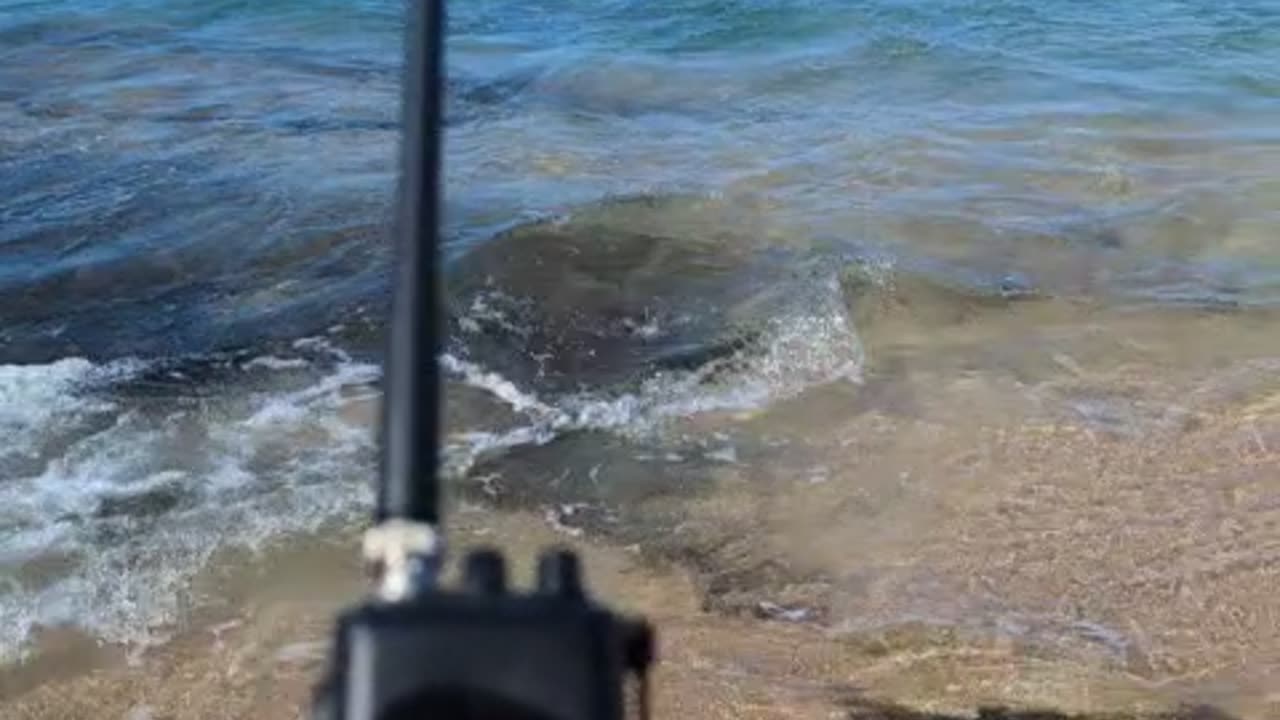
871	552
261	658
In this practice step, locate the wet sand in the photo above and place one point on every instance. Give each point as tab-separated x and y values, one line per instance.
260	658
1092	526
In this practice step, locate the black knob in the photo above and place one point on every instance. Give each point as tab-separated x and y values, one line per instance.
560	573
485	572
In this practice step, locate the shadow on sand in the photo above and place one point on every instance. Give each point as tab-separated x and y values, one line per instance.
862	709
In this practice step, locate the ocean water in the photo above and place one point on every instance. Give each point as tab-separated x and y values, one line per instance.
654	211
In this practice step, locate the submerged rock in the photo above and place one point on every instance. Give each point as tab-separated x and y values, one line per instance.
616	291
148	502
879	295
628	287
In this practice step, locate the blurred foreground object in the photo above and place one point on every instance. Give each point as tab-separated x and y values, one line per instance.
415	650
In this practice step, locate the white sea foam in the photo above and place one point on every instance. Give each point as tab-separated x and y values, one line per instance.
107	528
34	398
238	469
801	350
271	362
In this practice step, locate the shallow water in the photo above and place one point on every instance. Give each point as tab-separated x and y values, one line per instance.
747	284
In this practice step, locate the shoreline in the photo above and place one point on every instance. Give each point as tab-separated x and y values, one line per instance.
260	654
929	541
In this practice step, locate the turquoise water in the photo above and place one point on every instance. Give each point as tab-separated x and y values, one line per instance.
195	195
226	135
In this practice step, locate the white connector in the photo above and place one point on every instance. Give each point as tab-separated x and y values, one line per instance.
405	555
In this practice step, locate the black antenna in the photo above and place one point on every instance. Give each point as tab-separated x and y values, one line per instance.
411	406
415	650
